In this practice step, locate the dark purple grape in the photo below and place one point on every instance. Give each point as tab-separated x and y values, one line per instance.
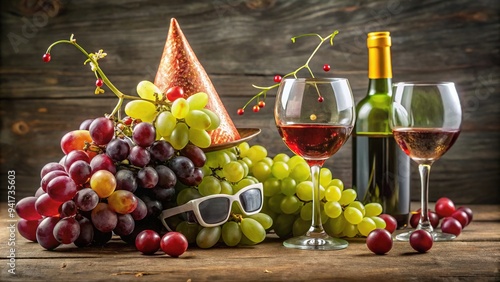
195	154
102	130
182	166
139	156
86	199
101	238
103	218
125	225
154	207
68	209
161	151
80	171
421	240
141	211
163	194
86	233
102	161
379	241
51	167
166	177
126	180
194	179
85	125
27	228
147	177
73	156
45	233
144	134
67	230
118	149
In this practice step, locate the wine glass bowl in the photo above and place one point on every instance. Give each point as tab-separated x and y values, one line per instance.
315	117
425	119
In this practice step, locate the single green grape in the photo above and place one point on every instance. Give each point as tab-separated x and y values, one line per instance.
304	191
197	101
350	230
294	160
180	136
208	236
197	119
180	108
348	196
265	220
288	186
139	109
379	222
256	153
261	171
290	204
209	185
337	182
300	172
272	186
165	123
366	226
274	202
146	90
231	233
358	205
306	211
325	177
189	230
214	119
253	230
281	157
333	209
373	209
186	195
233	171
333	194
300	226
280	169
199	137
353	215
226	188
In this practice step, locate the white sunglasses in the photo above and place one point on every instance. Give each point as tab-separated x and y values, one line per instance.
214	210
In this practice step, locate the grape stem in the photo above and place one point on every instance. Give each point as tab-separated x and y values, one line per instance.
265	89
93	58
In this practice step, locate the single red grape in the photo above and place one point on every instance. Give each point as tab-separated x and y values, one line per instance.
379	241
147	242
175	92
390	222
461	216
174	244
46	57
469	213
421	240
444	207
451	225
415	218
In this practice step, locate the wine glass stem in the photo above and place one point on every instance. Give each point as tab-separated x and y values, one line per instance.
316	229
424	222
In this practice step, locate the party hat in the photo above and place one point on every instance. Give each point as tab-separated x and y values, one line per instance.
179	66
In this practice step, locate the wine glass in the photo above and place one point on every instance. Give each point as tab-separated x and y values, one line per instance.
315	117
425	120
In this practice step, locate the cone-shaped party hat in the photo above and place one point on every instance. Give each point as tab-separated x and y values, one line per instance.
179	66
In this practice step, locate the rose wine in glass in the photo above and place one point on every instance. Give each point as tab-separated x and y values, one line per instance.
425	120
315	128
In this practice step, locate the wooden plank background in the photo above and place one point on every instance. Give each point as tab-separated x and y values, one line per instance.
240	43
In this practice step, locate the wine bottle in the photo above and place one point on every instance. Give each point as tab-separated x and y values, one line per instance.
381	170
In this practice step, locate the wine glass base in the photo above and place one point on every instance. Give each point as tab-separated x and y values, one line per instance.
437	236
313	243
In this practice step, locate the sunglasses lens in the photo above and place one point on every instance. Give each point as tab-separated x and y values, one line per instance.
214	210
251	200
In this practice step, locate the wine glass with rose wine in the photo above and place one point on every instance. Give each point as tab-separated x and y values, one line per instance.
315	117
425	120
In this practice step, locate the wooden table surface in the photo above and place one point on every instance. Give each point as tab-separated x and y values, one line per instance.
473	256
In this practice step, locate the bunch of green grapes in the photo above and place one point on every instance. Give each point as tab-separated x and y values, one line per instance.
288	192
177	120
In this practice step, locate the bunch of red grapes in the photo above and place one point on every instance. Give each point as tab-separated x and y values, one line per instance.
453	221
115	177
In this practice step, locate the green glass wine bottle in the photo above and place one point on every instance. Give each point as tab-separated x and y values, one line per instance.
381	170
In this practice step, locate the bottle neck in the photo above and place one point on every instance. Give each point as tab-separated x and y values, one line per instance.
380	86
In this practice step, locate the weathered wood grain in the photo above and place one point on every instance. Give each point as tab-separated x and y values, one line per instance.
246	42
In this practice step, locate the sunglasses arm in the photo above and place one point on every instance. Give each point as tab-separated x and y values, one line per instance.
174	211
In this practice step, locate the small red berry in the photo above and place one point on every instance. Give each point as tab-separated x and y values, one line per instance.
326	67
175	92
240	112
256	108
262	104
46	57
99	82
277	78
321	99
